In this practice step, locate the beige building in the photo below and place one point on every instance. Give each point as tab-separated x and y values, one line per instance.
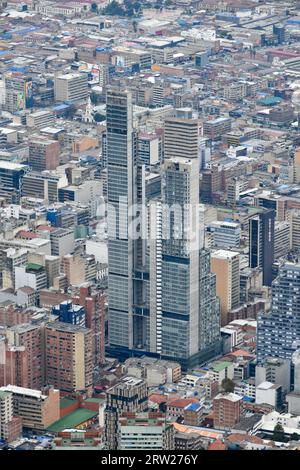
79	268
226	266
71	87
69	361
293	217
181	138
296	168
38	409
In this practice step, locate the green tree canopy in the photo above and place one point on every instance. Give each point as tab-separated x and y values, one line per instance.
278	433
228	385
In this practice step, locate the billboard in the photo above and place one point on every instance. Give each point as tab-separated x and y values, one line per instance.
28	94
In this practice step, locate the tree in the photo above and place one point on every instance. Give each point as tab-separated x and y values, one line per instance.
134	25
295	437
278	433
95	98
228	385
113	9
94	7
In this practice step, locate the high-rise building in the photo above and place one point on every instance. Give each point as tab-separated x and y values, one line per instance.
181	138
161	293
43	154
279	330
11	178
31	337
261	243
14	365
184	309
121	189
18	92
226	266
69	361
71	87
129	395
93	302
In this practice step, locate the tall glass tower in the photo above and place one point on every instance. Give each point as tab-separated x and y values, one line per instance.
184	308
161	293
278	333
121	188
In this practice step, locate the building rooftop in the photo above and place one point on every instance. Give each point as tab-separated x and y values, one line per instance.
72	420
24	391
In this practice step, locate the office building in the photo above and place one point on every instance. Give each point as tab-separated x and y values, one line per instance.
11	178
184	309
10	425
129	395
261	243
281	239
69	359
275	370
181	138
226	410
62	241
149	149
41	186
18	92
163	304
279	330
226	266
142	431
39	119
32	275
79	269
71	87
11	258
37	408
270	394
121	180
293	217
44	154
216	128
225	234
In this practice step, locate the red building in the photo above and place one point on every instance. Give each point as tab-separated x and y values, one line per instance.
94	304
226	410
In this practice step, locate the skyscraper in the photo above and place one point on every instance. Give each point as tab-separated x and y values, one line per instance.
261	243
226	266
161	294
184	309
121	173
279	331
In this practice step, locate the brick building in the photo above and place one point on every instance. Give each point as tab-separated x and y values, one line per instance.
226	410
69	357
